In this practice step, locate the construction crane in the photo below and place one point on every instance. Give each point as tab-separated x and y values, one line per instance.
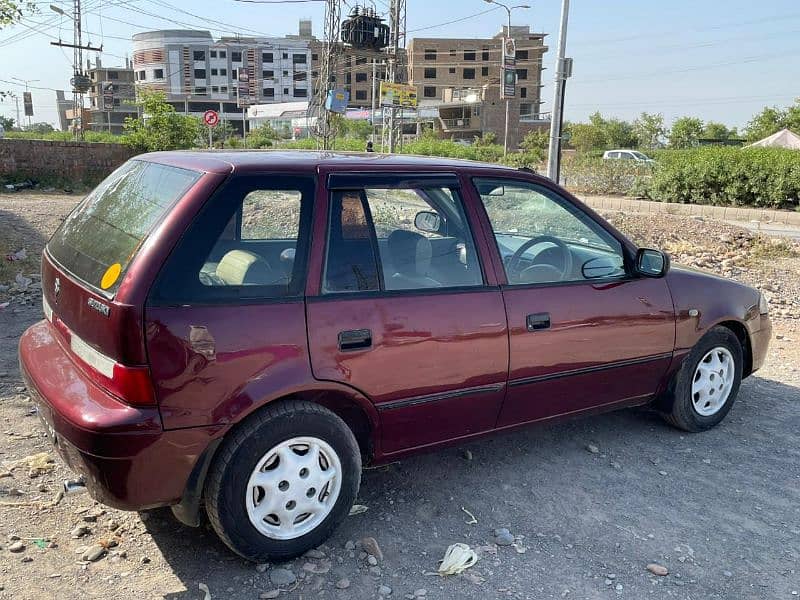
364	29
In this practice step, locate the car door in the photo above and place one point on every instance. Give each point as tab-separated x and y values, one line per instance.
403	310
583	331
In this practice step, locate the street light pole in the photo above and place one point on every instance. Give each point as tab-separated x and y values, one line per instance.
557	116
502	66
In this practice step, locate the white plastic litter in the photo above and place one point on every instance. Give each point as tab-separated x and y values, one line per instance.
357	509
204	588
458	558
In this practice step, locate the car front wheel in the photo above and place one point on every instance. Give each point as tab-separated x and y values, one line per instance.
707	383
283	481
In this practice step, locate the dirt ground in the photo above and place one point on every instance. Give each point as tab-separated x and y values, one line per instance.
590	502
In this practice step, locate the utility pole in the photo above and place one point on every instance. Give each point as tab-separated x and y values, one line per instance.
397	32
80	82
503	67
563	71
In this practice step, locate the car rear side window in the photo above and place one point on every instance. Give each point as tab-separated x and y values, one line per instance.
98	240
248	243
400	238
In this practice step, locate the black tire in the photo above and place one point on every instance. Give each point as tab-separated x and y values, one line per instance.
683	414
226	485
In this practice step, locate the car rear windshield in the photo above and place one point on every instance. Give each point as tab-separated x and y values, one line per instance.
98	240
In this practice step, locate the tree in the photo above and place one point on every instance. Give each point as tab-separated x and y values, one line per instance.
536	140
685	132
262	137
585	137
40	128
765	123
160	127
718	131
12	11
649	129
7	123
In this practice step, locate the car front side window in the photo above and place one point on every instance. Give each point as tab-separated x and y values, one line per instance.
543	238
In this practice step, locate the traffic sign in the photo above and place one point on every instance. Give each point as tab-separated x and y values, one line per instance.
211	118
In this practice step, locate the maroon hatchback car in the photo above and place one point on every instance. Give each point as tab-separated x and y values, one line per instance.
243	331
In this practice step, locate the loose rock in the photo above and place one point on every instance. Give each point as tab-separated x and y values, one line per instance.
93	553
269	595
343	583
16	547
370	545
657	569
385	590
282	577
592	449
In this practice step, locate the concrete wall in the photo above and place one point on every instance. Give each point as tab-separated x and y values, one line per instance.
76	162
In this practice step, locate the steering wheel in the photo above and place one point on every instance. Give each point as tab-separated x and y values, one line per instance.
547	271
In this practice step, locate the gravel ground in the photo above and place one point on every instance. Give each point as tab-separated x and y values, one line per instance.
588	503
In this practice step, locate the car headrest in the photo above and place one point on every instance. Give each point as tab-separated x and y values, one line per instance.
410	252
239	267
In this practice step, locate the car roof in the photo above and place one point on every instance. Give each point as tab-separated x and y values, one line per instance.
258	160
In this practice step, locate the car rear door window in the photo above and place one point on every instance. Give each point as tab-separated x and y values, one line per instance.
399	239
249	242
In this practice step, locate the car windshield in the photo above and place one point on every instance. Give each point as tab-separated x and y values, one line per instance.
98	240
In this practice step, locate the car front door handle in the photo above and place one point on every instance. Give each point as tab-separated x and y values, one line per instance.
355	339
538	321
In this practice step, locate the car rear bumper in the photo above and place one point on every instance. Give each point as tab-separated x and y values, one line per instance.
125	457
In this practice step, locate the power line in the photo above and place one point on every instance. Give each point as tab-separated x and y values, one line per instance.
483	12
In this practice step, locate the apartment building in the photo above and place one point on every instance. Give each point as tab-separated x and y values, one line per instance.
198	73
466	73
124	97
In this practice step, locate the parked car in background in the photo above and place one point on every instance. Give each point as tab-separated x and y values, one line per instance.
633	155
244	331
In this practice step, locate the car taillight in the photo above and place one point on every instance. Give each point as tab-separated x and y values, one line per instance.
132	385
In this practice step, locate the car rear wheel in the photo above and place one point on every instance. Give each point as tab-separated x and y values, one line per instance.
283	481
707	383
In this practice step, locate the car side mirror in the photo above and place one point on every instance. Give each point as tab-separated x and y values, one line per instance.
651	263
428	221
601	267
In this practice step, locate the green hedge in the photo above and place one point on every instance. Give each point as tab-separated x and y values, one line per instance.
590	174
768	177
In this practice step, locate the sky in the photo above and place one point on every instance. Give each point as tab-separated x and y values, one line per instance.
720	60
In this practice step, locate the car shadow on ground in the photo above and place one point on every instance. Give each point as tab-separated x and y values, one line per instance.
576	508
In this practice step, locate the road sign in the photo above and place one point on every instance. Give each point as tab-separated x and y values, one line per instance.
398	94
108	96
211	118
509	52
27	100
509	89
337	100
243	88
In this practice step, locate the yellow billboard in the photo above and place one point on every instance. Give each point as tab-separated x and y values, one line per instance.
398	94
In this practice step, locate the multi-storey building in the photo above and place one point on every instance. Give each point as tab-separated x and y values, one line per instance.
198	73
124	97
467	73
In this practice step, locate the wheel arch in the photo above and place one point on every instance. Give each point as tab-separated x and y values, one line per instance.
355	409
739	329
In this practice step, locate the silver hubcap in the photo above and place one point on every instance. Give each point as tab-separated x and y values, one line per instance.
293	488
712	382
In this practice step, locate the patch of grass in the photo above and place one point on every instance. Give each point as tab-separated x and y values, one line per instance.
767	248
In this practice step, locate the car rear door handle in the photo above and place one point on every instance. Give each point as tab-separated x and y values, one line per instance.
538	321
355	339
